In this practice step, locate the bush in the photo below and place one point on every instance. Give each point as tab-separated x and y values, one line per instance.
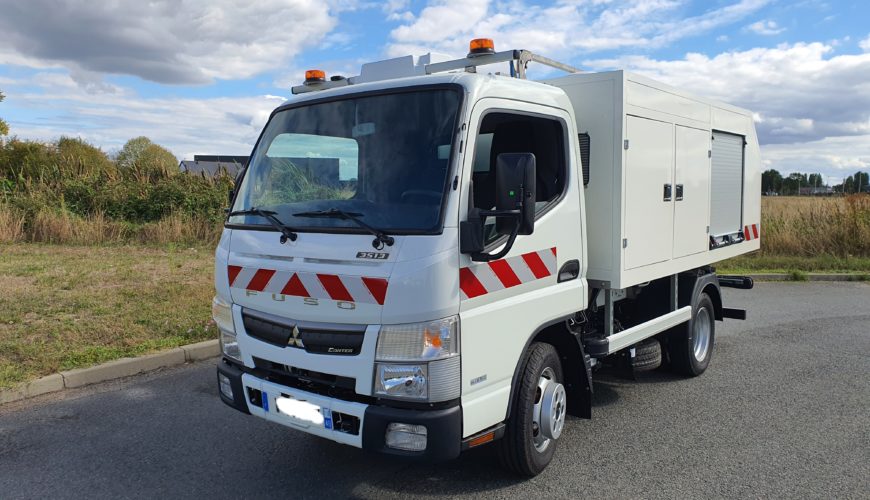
69	191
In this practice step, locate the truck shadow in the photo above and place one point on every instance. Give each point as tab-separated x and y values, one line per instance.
353	473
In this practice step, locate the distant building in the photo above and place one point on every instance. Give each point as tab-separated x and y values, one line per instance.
816	191
212	165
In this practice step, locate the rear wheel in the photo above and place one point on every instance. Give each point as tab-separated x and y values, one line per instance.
690	346
538	414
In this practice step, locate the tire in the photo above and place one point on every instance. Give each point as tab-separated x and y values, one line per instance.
690	346
647	355
524	449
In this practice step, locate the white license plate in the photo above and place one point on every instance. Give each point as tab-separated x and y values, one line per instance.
299	410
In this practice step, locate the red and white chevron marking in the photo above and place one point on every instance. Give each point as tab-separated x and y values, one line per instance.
489	277
358	289
751	232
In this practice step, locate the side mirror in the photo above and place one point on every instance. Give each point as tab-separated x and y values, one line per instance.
514	207
515	190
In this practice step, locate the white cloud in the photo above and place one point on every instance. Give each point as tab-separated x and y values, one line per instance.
164	41
563	29
766	28
801	92
219	125
865	44
836	157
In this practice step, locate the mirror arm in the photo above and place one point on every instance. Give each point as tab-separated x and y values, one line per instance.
487	257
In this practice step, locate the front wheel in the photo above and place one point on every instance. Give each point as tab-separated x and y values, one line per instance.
690	346
538	414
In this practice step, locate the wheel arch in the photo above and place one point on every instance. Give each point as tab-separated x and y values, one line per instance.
575	367
704	280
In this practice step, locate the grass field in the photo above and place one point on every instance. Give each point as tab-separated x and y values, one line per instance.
65	307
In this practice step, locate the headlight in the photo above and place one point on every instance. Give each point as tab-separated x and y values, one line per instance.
419	341
419	361
402	381
222	312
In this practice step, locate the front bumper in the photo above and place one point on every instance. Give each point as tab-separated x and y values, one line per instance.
256	396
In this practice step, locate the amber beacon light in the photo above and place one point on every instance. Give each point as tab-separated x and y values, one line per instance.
315	76
481	46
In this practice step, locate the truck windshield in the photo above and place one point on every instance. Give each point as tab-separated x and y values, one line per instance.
384	158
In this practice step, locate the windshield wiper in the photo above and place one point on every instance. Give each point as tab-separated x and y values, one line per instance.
381	237
269	215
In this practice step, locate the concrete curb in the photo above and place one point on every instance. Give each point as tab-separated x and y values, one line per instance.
119	368
801	276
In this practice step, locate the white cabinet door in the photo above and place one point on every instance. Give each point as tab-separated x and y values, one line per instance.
649	216
692	180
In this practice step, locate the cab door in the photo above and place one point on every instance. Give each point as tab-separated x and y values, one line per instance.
503	303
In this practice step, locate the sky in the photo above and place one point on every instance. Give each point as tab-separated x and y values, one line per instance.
202	76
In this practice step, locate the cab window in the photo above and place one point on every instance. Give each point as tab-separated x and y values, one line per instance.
515	133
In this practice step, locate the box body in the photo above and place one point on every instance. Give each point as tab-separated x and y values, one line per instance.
675	179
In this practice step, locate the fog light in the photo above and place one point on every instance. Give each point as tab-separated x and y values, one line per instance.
406	437
226	387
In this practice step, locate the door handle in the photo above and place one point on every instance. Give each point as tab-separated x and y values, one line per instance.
569	271
679	194
667	192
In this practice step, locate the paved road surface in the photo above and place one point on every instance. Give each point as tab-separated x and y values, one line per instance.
783	411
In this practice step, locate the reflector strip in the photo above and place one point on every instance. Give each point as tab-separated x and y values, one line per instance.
504	273
751	232
359	289
295	287
469	284
334	287
232	272
377	287
260	280
481	279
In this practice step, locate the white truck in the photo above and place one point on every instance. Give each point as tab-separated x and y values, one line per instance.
423	258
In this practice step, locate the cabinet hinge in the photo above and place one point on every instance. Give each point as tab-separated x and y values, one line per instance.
709	153
625	144
625	243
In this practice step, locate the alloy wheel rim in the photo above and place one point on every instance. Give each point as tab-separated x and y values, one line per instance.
548	410
701	334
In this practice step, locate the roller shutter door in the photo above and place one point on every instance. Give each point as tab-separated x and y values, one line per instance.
726	184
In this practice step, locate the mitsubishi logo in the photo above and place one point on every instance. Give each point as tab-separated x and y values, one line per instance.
295	340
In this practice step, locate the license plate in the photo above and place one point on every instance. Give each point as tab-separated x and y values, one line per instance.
303	411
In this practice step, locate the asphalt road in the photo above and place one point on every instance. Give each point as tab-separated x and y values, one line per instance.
783	411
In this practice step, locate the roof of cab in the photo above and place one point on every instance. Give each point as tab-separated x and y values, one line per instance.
476	85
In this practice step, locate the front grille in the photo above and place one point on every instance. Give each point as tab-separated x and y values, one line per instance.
318	338
324	384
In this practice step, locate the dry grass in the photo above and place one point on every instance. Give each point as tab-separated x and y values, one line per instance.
51	226
63	227
11	226
812	227
64	307
175	228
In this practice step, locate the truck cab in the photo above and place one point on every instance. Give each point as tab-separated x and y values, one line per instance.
403	268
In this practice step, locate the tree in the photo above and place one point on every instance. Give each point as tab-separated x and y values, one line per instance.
848	185
4	128
771	181
815	180
145	161
793	183
862	180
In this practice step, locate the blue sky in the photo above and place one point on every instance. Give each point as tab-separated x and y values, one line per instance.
201	76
